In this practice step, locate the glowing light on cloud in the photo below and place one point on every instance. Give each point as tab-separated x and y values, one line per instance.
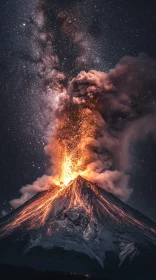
89	120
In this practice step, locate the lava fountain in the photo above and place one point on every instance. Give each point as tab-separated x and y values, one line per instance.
93	116
71	149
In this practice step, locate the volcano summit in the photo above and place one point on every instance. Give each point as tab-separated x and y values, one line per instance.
85	230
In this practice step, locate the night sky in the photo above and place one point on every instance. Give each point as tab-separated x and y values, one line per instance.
118	29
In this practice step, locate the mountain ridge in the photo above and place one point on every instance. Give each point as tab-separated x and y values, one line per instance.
85	220
36	196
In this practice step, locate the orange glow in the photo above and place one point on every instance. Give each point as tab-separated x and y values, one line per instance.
68	169
37	213
73	145
51	203
71	150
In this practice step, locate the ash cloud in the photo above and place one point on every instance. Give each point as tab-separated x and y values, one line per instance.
122	100
61	46
127	105
40	185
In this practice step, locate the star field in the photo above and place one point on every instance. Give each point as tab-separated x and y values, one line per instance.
110	31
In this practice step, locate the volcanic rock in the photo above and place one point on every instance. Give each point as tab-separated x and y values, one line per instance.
101	233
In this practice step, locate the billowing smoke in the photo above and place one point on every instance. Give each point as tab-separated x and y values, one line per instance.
40	185
99	117
59	33
91	118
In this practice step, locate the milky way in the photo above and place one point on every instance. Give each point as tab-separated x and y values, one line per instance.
84	35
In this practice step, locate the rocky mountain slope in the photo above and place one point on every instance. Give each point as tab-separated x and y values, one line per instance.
96	234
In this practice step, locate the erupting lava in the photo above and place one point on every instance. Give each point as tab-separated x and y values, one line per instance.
90	119
80	192
73	147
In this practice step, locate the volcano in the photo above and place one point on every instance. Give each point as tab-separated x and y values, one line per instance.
87	230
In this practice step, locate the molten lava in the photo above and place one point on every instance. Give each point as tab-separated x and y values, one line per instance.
80	192
75	150
72	149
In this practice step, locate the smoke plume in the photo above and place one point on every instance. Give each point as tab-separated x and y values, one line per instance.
90	119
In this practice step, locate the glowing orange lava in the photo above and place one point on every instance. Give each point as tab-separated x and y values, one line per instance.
73	145
71	149
59	198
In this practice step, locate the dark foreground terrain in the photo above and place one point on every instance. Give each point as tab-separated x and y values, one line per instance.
13	272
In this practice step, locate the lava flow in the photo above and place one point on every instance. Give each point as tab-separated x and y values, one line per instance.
80	192
92	117
73	149
70	149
